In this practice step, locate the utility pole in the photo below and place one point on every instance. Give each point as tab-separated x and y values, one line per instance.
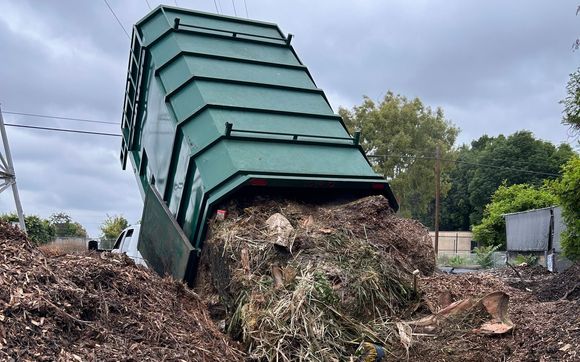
437	196
7	175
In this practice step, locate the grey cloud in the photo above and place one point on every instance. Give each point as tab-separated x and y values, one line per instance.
457	54
494	66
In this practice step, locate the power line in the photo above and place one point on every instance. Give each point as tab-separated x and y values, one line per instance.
467	163
246	6
58	117
234	5
63	130
405	154
504	168
494	159
216	7
118	21
148	5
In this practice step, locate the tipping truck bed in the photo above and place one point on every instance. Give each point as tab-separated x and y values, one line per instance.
216	107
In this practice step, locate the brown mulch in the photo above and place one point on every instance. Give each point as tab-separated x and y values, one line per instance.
97	307
544	330
546	286
565	285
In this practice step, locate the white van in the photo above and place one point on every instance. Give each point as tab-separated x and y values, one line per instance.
127	243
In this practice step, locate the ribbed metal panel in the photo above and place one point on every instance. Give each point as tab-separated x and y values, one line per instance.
559	228
214	102
528	231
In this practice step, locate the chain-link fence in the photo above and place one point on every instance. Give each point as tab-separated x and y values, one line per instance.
106	244
468	259
80	244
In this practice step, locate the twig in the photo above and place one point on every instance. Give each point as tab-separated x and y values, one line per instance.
65	313
516	271
570	291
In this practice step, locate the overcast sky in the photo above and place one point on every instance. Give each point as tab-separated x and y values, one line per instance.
493	66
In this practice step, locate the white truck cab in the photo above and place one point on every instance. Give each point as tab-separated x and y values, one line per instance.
127	243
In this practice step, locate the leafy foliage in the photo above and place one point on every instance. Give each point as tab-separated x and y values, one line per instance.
407	133
572	102
66	227
522	151
113	225
508	199
568	191
484	255
481	169
40	231
456	261
456	207
526	259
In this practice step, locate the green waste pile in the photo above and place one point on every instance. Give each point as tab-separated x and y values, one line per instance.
294	281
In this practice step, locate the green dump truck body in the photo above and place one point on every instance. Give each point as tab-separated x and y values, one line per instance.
216	107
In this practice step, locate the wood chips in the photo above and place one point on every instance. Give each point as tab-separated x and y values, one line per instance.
97	307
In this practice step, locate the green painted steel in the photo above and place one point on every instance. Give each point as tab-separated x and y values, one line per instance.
164	246
217	106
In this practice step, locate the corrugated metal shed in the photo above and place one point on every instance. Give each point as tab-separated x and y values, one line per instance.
559	227
528	230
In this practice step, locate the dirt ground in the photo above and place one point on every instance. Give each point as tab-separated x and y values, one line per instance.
544	308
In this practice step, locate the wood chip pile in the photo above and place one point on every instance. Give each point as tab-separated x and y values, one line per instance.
296	281
545	329
98	307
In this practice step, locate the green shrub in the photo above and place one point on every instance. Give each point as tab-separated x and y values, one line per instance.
526	259
456	261
484	255
40	231
568	191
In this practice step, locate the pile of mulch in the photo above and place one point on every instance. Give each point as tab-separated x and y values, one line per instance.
547	286
544	330
346	272
565	285
98	307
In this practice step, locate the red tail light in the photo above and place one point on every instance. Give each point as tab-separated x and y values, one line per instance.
378	186
258	182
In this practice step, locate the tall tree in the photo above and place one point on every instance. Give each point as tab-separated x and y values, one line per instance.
572	102
405	133
455	206
65	226
113	225
500	159
40	231
486	164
